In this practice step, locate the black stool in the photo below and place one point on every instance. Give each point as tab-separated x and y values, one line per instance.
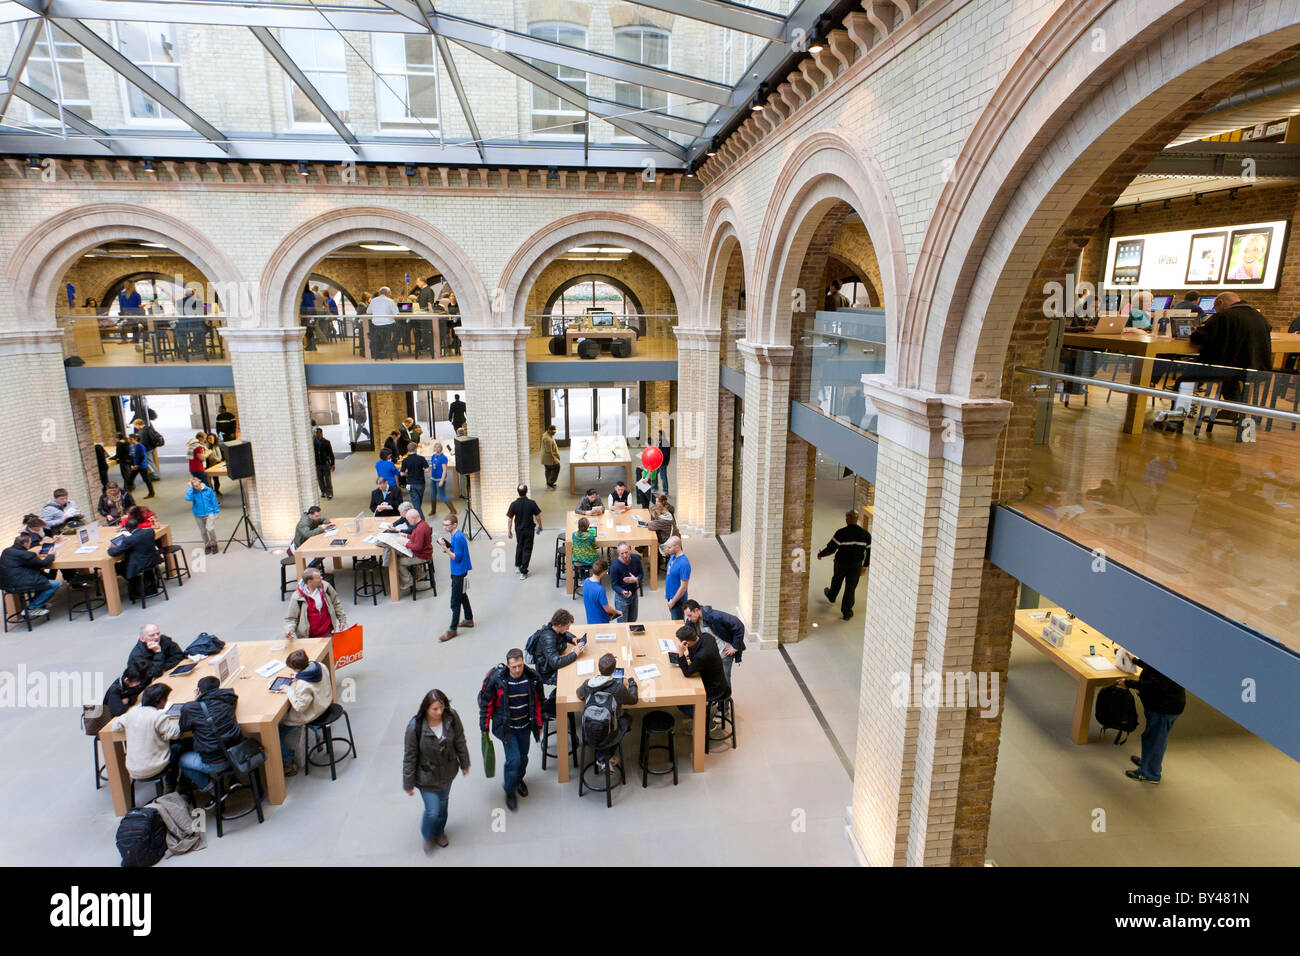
225	784
559	560
725	708
180	566
580	574
548	731
93	718
608	789
146	577
427	566
657	722
20	616
86	590
367	580
325	737
287	588
157	780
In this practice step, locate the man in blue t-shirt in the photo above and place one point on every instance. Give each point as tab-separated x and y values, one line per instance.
599	610
679	578
439	475
456	547
385	468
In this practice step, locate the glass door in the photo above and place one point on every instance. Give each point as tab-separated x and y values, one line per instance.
559	405
582	412
360	437
611	410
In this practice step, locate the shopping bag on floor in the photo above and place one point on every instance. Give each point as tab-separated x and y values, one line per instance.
347	646
489	756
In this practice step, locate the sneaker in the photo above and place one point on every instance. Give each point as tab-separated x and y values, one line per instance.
523	575
466	623
600	766
511	802
38	612
522	789
291	770
428	847
827	592
441	840
448	636
1137	775
848	616
1137	761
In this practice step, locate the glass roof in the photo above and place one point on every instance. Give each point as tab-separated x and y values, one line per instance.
500	82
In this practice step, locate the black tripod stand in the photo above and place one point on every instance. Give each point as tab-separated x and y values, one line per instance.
245	523
470	517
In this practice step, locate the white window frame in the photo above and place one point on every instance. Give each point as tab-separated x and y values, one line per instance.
642	29
564	110
411	125
161	122
726	57
83	108
291	88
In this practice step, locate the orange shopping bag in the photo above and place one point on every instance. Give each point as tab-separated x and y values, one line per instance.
347	646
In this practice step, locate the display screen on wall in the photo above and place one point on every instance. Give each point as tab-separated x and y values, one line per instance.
1217	257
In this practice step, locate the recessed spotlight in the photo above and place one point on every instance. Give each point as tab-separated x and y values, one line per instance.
759	96
148	164
713	148
302	167
33	162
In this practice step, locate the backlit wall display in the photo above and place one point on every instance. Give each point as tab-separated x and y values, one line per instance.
1215	257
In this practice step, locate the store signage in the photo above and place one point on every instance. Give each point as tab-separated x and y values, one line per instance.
1215	257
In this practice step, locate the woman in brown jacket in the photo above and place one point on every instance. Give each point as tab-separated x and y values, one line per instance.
434	749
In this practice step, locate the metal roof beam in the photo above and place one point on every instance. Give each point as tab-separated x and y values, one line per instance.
732	16
18	62
216	13
454	75
51	109
303	83
98	46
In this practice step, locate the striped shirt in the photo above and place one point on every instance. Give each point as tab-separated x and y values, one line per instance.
517	703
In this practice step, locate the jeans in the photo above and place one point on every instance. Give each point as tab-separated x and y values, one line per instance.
417	495
439	492
143	474
434	821
1155	738
44	596
726	661
197	769
207	528
627	605
289	741
624	726
661	473
326	480
849	577
458	599
405	578
201	476
678	611
524	547
515	744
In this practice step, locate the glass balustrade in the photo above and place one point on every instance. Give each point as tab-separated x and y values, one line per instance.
830	360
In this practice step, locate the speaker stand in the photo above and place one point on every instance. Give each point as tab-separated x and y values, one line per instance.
470	516
244	524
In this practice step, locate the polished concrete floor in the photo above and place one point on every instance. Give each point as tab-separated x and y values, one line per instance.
779	799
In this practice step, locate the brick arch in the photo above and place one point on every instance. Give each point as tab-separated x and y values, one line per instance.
611	228
724	236
859	272
298	254
826	169
35	271
1063	135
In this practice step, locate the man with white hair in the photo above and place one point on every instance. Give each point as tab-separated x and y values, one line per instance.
382	310
418	540
155	651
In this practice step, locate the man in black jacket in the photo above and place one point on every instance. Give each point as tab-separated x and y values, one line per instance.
727	631
851	546
1162	700
23	569
701	657
510	706
211	730
456	414
1235	336
141	553
550	654
122	693
154	651
385	502
324	452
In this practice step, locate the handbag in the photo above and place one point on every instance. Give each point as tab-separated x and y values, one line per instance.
489	756
246	755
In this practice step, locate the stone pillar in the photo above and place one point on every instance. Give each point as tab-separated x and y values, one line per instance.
933	490
695	441
496	397
43	446
767	417
726	452
271	389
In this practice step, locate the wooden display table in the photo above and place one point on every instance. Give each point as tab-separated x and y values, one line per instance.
66	558
608	536
612	335
598	453
319	546
258	710
1070	658
1144	346
660	693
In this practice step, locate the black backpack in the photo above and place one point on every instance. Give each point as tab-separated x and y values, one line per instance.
600	718
153	438
532	654
1116	711
142	837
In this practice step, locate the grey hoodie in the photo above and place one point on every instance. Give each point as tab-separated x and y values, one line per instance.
625	694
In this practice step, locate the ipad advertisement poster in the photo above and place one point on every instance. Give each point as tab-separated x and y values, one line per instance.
1213	258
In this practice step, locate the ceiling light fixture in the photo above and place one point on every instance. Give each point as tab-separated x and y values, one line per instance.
302	167
817	34
1196	199
759	96
148	164
33	162
713	148
383	247
410	170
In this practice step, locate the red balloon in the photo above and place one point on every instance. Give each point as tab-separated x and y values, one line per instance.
652	458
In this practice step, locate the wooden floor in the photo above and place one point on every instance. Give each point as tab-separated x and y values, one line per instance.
1211	518
649	349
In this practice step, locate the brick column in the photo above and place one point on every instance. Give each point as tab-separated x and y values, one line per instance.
496	394
695	441
42	445
934	484
725	462
271	389
767	417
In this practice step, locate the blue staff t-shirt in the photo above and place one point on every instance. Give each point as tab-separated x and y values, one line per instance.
593	597
386	469
435	466
679	570
459	553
